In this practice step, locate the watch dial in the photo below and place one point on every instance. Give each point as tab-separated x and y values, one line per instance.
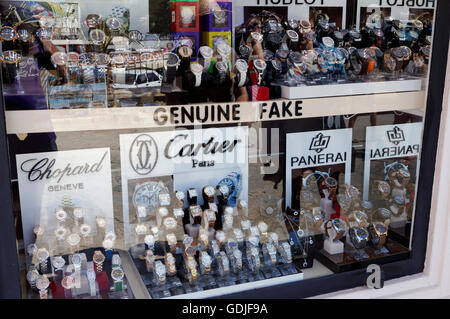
97	36
11	57
8	33
93	20
380	228
147	194
113	24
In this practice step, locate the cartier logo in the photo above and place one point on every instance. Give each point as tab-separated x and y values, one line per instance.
143	154
319	143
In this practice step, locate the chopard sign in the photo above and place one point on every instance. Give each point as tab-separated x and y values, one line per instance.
39	169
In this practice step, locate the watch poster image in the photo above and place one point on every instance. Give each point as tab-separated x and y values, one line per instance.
64	180
179	160
325	153
334	13
392	153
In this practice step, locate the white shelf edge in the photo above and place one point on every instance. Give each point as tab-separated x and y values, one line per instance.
240	287
96	119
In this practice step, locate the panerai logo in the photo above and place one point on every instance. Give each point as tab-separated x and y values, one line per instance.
396	136
39	169
319	143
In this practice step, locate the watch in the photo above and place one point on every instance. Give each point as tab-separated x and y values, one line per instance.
254	38
98	259
382	189
223	263
117	275
236	260
159	271
169	260
224	51
359	237
172	241
68	282
196	214
206	54
335	229
203	239
192	196
114	24
205	263
79	214
58	263
222	72
285	252
185	54
270	254
42	255
220	237
163	212
42	284
228	222
85	231
178	213
253	259
208	194
260	67
149	260
170	223
97	36
146	194
91	276
32	276
8	33
149	240
241	68
378	234
197	70
100	221
233	182
10	57
210	218
60	233
172	61
245	51
263	228
191	267
180	199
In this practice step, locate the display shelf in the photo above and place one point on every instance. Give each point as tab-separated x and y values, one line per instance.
95	119
314	91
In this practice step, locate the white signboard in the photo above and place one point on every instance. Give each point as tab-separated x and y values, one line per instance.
317	149
399	9
297	9
390	141
82	177
193	158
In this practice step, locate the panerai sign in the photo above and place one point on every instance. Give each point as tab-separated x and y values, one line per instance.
317	149
81	177
390	141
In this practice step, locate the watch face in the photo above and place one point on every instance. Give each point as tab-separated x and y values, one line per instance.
380	227
102	59
170	223
245	50
85	229
68	282
60	232
113	24
76	259
117	273
206	52
283	54
196	68
220	236
140	229
209	191
135	35
256	36
32	275
362	233
8	33
163	211
172	60
42	282
100	221
79	212
328	42
260	65
185	51
222	67
87	59
73	239
292	35
42	254
149	240
295	58
23	35
107	244
61	215
59	262
241	66
97	36
98	257
147	194
338	224
11	57
262	226
330	182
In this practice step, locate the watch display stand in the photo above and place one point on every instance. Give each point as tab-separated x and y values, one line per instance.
333	247
357	254
380	250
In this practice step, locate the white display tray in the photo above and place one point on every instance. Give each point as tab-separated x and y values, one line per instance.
315	91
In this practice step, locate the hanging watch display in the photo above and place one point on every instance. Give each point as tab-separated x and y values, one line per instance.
205	55
197	70
241	68
260	68
172	61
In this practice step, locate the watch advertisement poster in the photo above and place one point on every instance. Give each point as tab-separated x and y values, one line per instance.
64	180
395	9
325	153
178	160
390	148
293	9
